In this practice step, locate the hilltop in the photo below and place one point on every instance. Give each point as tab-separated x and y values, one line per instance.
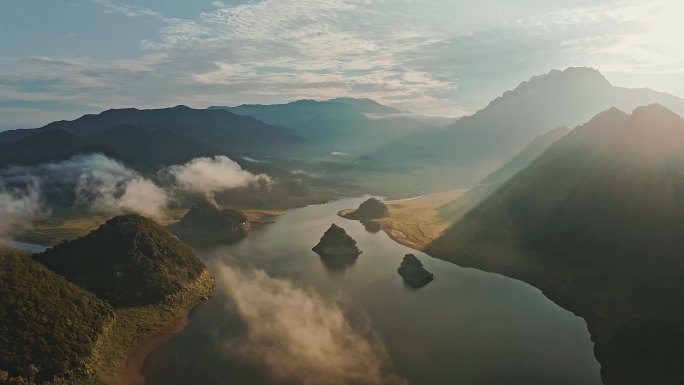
206	223
128	261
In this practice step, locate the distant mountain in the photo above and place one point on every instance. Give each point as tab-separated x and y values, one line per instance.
47	146
128	261
216	128
353	126
596	223
151	144
302	111
141	146
492	136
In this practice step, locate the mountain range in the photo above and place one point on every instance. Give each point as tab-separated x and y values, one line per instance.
152	136
478	144
353	126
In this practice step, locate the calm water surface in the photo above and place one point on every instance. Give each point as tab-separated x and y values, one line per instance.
466	327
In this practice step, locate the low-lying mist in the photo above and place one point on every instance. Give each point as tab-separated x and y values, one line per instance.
18	207
209	176
299	336
106	185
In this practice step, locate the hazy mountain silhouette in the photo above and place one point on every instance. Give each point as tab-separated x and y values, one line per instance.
217	128
493	135
301	111
47	146
596	223
151	145
352	125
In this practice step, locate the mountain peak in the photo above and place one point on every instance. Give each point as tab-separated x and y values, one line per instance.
570	75
365	105
654	110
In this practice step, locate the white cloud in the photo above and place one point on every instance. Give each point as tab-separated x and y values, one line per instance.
18	207
98	182
210	176
299	336
441	57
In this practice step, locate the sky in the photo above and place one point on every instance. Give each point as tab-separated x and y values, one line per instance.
62	59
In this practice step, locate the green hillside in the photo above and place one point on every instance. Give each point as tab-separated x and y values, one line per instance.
49	325
128	261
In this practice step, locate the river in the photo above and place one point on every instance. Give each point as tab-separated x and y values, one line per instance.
465	327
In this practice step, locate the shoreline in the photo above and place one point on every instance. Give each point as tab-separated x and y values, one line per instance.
405	226
131	373
415	222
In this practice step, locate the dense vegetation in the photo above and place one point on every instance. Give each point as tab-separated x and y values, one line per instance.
336	241
206	223
49	325
128	261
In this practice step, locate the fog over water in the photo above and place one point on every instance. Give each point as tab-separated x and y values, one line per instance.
280	315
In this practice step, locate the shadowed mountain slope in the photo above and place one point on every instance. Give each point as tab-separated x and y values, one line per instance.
595	222
354	126
216	128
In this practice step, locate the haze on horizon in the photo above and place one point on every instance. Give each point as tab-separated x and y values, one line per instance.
59	60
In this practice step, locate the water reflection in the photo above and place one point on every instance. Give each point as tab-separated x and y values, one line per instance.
371	226
338	262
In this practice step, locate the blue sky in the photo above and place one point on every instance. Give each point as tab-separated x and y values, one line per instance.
60	59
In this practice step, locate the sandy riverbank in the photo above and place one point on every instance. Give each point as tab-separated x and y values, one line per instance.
131	373
416	222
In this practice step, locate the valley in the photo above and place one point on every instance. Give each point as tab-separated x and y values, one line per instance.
540	244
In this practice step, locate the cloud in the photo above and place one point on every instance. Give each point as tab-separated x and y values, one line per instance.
107	185
101	183
18	207
131	10
299	336
141	196
442	57
209	176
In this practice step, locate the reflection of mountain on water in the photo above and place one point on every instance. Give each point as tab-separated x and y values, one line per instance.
338	262
371	227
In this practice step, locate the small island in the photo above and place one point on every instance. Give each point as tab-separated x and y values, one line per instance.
413	272
207	223
372	208
336	241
